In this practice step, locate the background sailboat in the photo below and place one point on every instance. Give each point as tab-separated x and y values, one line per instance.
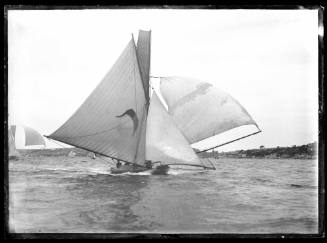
13	153
26	137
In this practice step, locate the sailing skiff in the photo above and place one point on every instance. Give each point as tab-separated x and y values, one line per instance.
122	120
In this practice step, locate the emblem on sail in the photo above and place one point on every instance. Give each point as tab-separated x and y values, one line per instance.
131	113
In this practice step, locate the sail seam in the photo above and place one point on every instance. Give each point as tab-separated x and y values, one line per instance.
99	87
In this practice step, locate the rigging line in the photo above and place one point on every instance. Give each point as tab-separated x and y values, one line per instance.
213	166
202	166
105	160
229	142
54	141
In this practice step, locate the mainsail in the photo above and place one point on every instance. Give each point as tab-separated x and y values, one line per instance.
201	111
111	120
164	141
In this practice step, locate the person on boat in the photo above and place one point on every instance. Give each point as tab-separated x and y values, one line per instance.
148	164
118	163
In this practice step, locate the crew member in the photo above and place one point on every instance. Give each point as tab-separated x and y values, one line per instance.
118	163
148	164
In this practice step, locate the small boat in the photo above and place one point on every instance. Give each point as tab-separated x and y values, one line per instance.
124	118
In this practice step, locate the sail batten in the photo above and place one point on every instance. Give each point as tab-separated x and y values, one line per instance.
109	120
201	111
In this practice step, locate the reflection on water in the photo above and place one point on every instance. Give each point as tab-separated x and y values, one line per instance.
78	195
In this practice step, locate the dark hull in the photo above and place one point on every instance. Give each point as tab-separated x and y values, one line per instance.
127	168
159	170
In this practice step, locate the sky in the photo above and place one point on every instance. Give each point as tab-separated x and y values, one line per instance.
266	59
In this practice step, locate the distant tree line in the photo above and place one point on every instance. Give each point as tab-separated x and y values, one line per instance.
307	151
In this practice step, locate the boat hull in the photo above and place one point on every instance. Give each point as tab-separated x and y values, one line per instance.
159	170
127	168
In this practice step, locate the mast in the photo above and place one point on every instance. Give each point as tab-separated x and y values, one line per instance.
143	53
144	60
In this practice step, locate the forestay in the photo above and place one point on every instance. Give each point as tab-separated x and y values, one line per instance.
201	111
164	142
111	120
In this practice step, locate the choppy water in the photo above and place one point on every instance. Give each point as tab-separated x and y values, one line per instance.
78	195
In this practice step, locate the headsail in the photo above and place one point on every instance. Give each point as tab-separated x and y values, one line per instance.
110	121
201	111
143	53
164	142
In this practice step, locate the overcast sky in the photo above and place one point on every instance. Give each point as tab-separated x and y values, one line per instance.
266	59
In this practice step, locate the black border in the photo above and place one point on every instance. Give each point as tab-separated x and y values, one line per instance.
322	131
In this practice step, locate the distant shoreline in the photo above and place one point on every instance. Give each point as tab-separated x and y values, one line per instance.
313	158
307	151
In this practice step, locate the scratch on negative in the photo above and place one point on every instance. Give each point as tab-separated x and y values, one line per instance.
201	89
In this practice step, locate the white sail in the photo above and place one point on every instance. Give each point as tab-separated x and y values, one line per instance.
200	110
164	142
25	137
110	121
11	145
33	137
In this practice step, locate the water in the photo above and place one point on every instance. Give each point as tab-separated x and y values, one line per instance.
78	195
